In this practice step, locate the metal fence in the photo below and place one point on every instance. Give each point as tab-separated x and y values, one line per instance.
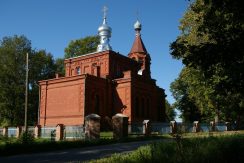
135	128
31	129
185	127
220	127
74	132
48	132
1	131
160	128
204	127
12	131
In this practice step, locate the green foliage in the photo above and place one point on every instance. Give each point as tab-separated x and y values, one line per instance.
212	149
12	74
81	46
26	138
59	62
170	111
192	96
210	46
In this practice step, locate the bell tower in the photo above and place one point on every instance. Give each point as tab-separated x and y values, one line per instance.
139	53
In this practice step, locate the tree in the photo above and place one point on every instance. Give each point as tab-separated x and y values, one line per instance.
81	46
41	67
170	112
211	44
12	79
59	62
192	96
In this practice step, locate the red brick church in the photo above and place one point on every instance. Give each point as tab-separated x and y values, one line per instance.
105	83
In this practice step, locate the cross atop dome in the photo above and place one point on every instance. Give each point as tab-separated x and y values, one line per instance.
105	9
104	31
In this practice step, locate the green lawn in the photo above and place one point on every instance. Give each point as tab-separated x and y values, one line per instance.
222	148
12	146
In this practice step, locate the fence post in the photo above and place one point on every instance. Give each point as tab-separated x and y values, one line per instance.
196	127
212	126
37	131
227	124
59	132
5	131
120	126
18	131
146	127
92	126
173	126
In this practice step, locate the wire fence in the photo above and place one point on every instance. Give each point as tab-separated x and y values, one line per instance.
48	132
12	131
220	127
1	131
160	128
204	127
134	128
74	132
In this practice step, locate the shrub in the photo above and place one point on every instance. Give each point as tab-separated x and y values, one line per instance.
26	138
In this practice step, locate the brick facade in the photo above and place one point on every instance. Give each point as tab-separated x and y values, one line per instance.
103	83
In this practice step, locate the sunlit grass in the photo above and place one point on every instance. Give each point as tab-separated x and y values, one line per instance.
223	148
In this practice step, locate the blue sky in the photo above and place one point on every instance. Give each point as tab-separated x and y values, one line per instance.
52	24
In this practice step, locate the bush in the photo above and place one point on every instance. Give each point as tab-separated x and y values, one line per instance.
26	138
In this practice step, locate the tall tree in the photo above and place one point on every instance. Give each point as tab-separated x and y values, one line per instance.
192	96
12	78
170	111
41	67
211	44
81	46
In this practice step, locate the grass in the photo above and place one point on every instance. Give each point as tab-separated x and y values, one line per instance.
106	135
228	148
13	146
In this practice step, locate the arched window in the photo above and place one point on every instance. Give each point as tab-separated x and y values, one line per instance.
78	71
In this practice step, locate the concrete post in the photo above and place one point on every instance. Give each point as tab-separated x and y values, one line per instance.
92	126
37	131
146	127
228	128
120	126
173	126
212	126
18	131
59	132
5	131
196	126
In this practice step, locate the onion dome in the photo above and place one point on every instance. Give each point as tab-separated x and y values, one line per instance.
104	31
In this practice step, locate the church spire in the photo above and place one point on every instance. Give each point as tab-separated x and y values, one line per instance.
104	31
138	46
139	53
